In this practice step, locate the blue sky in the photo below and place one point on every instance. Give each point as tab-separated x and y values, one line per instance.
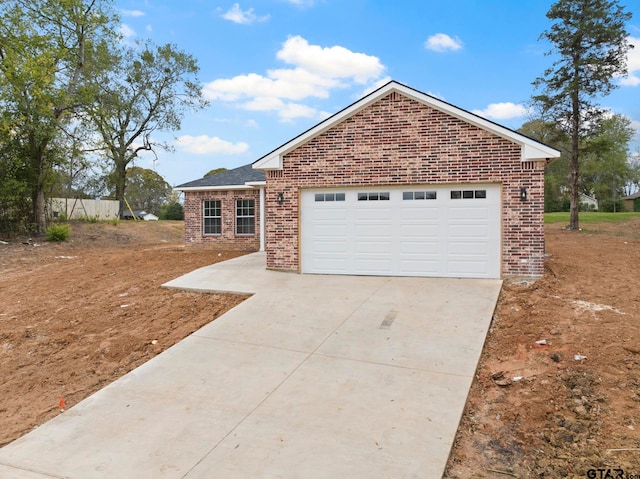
273	68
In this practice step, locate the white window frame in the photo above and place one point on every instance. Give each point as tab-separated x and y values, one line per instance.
242	213
206	217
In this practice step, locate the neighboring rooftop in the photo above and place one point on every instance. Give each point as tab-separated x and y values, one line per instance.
633	196
237	176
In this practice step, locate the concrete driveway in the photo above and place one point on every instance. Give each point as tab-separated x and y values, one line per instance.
311	377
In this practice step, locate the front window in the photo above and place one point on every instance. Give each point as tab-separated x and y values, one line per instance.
212	218
245	217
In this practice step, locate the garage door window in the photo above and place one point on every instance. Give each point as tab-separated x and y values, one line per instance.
373	196
211	218
468	194
245	218
419	195
329	197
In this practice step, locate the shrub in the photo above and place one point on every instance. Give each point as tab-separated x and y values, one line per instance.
58	232
172	211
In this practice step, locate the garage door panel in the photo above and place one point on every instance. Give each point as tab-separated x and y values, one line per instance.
331	230
366	231
408	235
467	269
373	265
468	231
469	213
417	248
330	214
368	213
468	248
419	231
381	247
329	265
411	210
419	267
332	247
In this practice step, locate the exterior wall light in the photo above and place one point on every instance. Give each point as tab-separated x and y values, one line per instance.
280	198
523	194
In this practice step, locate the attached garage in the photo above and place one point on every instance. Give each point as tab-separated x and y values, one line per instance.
398	183
439	231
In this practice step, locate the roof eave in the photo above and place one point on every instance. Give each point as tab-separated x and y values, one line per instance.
218	187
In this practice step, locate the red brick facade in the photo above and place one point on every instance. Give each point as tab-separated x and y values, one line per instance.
400	141
227	239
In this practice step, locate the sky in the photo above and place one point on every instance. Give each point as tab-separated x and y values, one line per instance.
271	69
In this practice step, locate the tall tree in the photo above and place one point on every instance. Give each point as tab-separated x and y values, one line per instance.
45	50
146	189
590	41
150	90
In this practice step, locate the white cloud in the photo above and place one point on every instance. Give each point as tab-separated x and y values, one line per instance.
205	144
330	62
441	42
315	72
503	111
633	64
132	13
243	17
149	28
126	31
302	3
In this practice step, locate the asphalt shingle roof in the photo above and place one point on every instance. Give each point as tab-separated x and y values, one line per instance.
237	176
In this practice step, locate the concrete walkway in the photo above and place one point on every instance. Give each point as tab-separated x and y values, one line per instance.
311	377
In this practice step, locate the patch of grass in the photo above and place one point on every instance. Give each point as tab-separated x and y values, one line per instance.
590	217
58	232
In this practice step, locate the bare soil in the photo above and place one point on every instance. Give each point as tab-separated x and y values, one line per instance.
75	316
538	410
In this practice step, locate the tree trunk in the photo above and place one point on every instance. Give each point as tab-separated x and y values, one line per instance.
38	153
574	178
121	181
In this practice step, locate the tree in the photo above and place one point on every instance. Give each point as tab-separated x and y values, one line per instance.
146	189
172	211
215	171
148	90
45	51
557	173
605	169
590	40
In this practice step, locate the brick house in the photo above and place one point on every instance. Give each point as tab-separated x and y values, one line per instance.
399	183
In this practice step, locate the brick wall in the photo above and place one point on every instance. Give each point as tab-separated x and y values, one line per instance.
398	141
228	240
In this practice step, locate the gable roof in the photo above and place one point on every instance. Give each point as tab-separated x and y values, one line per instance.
241	177
532	150
633	196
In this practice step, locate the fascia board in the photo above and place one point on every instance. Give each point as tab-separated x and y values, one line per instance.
215	188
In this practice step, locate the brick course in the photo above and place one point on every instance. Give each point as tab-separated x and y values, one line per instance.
400	141
228	240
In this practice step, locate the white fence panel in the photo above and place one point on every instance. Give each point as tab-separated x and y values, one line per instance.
76	208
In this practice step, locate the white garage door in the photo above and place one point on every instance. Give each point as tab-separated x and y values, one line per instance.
416	231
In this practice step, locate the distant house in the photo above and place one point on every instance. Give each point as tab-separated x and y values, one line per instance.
139	215
632	202
589	201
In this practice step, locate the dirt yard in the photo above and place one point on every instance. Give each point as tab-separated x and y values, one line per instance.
539	410
75	316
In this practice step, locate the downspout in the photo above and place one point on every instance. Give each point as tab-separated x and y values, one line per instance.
262	215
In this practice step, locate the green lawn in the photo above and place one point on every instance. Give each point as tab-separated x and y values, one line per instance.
590	217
